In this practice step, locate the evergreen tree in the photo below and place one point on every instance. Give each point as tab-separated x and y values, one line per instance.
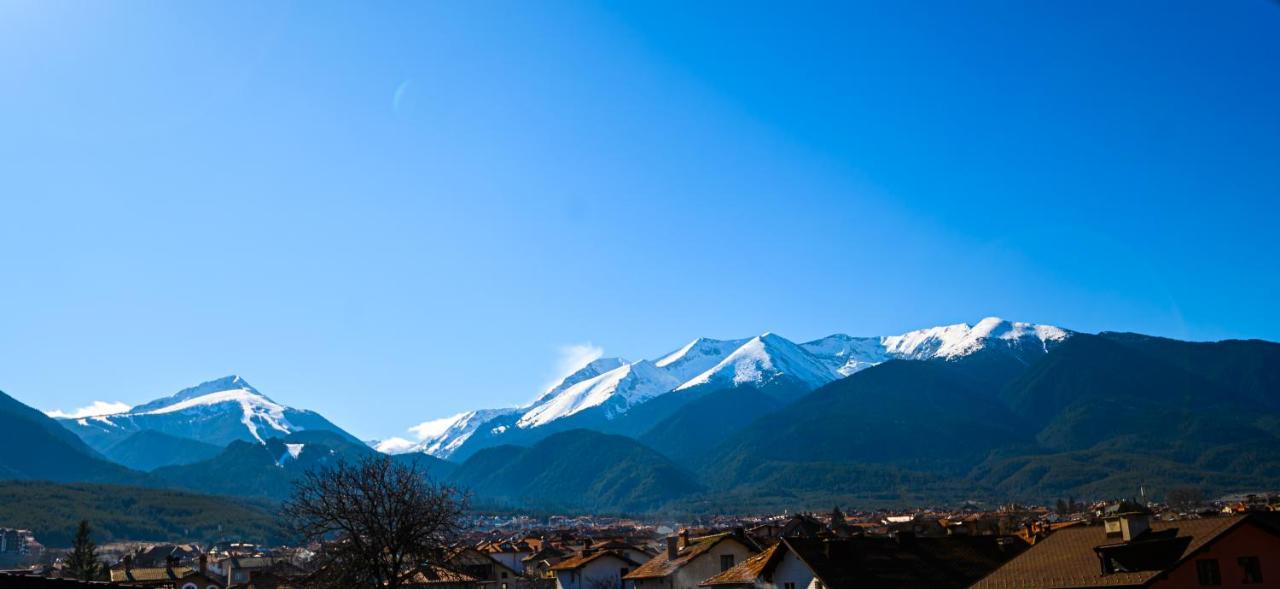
83	563
837	518
1063	508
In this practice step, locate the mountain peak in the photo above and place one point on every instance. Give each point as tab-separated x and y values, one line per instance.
760	359
231	382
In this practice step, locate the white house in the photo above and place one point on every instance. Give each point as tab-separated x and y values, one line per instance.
686	563
593	569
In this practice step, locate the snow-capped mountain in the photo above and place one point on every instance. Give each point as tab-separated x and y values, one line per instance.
697	357
592	370
441	437
215	412
846	354
955	341
616	385
763	359
616	390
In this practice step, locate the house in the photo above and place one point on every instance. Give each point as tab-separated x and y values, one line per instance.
538	565
158	555
236	570
593	569
432	576
626	549
1130	550
904	562
487	571
688	561
510	554
279	573
170	576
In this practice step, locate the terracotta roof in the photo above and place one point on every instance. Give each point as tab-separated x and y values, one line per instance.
660	566
749	570
581	560
1066	558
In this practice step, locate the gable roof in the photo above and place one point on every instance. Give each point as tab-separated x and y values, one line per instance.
578	561
146	574
751	569
660	566
432	573
1066	558
927	563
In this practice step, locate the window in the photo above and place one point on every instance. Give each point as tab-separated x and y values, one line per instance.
1252	569
788	586
1208	573
726	562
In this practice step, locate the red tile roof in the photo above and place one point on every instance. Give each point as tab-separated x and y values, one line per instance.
749	570
1066	558
581	560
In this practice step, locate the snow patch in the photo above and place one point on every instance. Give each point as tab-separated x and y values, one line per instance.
254	408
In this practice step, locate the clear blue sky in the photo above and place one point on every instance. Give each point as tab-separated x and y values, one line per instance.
394	211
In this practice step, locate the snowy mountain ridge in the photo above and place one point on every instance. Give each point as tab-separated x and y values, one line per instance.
617	385
217	412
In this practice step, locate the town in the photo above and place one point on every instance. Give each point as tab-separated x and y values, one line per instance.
1119	543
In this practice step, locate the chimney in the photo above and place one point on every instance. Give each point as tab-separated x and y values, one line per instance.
684	537
204	564
673	547
1133	525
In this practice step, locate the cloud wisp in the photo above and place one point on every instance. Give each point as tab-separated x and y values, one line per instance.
94	409
574	357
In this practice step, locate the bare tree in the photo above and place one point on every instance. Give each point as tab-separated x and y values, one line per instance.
375	521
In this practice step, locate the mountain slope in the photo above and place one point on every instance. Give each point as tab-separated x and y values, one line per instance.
269	470
906	414
120	513
577	469
149	449
215	412
1248	368
686	435
34	446
615	391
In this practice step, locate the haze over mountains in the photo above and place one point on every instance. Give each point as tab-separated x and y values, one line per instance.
993	411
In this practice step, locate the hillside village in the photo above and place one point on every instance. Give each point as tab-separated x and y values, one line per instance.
1072	545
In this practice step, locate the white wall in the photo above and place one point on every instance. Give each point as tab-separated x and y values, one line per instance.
792	570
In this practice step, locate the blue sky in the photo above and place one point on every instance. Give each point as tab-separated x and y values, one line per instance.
389	212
